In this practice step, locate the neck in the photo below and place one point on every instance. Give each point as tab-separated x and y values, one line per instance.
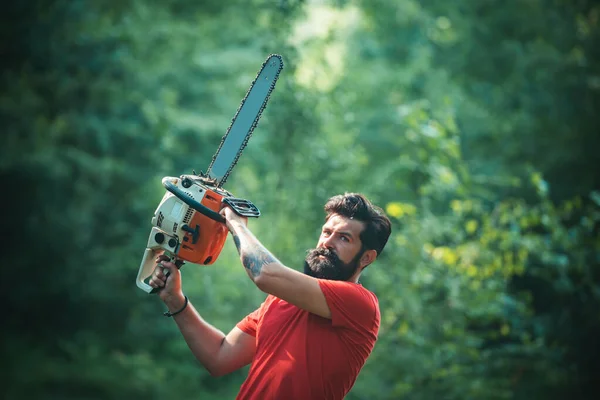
354	278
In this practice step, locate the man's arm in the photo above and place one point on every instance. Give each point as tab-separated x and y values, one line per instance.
220	354
270	275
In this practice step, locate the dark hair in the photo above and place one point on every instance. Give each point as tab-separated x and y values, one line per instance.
356	206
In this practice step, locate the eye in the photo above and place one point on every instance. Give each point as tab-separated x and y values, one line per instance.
345	239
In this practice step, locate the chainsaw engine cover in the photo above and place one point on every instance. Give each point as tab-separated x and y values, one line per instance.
200	238
183	232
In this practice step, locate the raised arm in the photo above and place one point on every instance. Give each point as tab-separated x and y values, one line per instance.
270	275
220	354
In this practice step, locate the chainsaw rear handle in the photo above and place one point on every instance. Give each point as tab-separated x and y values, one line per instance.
181	195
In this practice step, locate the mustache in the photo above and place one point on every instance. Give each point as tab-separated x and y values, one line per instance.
325	252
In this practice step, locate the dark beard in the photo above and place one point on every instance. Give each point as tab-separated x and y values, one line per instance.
331	267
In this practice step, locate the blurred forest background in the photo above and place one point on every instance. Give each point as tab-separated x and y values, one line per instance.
474	123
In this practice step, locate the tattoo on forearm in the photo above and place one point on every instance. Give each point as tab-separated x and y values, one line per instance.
253	254
236	240
254	262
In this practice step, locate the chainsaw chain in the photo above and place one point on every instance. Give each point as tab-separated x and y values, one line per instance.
254	124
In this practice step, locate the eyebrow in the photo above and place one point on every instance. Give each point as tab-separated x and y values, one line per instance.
343	233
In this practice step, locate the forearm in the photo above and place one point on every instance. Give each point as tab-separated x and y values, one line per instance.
254	256
203	339
274	278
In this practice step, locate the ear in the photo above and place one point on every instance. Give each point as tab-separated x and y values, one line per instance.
367	258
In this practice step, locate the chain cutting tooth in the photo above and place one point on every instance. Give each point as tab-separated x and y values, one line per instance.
254	123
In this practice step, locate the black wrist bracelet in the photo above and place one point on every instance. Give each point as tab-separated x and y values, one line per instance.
170	314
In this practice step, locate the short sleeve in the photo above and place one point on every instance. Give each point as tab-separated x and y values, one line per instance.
249	324
352	306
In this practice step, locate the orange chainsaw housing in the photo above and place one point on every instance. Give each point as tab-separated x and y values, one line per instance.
212	234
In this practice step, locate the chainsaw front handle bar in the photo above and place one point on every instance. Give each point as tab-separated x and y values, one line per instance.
181	195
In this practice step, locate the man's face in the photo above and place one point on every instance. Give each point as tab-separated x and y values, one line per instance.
339	250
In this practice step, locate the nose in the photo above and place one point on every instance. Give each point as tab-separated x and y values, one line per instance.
327	242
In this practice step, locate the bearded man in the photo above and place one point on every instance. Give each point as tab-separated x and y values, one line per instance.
312	335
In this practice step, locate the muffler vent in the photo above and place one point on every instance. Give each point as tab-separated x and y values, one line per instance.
188	215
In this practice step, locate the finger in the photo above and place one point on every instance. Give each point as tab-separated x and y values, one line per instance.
168	269
158	271
156	283
162	271
167	265
162	257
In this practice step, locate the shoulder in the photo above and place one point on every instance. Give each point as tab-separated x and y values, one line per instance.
351	304
349	289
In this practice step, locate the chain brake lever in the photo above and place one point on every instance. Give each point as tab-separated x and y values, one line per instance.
242	207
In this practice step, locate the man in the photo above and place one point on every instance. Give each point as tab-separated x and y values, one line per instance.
313	333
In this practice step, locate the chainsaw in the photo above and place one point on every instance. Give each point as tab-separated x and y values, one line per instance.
186	225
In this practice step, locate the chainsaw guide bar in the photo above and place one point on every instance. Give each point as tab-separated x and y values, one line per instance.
245	120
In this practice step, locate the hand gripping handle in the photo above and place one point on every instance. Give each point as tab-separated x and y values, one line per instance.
178	263
149	264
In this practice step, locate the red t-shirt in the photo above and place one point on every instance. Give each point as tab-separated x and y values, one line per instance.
300	355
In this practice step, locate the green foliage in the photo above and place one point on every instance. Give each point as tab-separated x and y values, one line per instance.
472	123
